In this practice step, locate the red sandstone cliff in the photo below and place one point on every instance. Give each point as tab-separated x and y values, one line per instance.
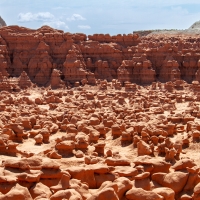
77	57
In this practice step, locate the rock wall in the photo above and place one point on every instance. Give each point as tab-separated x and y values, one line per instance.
79	57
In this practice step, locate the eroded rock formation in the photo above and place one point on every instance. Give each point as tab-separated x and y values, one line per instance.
78	57
98	117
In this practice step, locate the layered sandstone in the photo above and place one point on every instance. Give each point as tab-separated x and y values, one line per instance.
81	58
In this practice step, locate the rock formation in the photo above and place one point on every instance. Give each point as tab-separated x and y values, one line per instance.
78	57
98	116
2	22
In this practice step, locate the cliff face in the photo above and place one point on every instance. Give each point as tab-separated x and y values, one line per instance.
2	22
77	57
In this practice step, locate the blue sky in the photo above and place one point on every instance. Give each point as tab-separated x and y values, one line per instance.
103	16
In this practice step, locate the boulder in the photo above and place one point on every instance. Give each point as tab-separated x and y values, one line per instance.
174	180
17	192
139	193
167	193
66	194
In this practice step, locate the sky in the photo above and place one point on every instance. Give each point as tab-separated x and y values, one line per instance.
101	16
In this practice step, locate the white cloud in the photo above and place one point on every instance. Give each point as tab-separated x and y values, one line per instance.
41	16
57	24
75	17
84	27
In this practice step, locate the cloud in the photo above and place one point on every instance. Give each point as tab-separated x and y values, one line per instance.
57	24
57	8
180	10
41	16
76	17
84	27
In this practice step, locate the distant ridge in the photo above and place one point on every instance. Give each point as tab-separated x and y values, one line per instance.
196	25
193	29
2	22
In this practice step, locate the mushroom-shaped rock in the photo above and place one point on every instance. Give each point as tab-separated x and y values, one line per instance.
12	148
26	124
142	181
94	136
101	129
116	131
161	148
94	121
81	141
126	137
154	139
195	135
89	96
71	128
99	148
143	148
79	154
45	134
65	147
38	139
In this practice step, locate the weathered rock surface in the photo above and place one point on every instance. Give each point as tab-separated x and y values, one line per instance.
50	56
98	116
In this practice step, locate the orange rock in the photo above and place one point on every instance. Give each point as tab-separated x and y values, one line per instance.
138	193
40	190
66	194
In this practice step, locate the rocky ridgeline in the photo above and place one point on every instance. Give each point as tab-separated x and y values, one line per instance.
81	58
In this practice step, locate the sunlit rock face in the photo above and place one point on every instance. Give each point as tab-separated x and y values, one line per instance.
81	58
